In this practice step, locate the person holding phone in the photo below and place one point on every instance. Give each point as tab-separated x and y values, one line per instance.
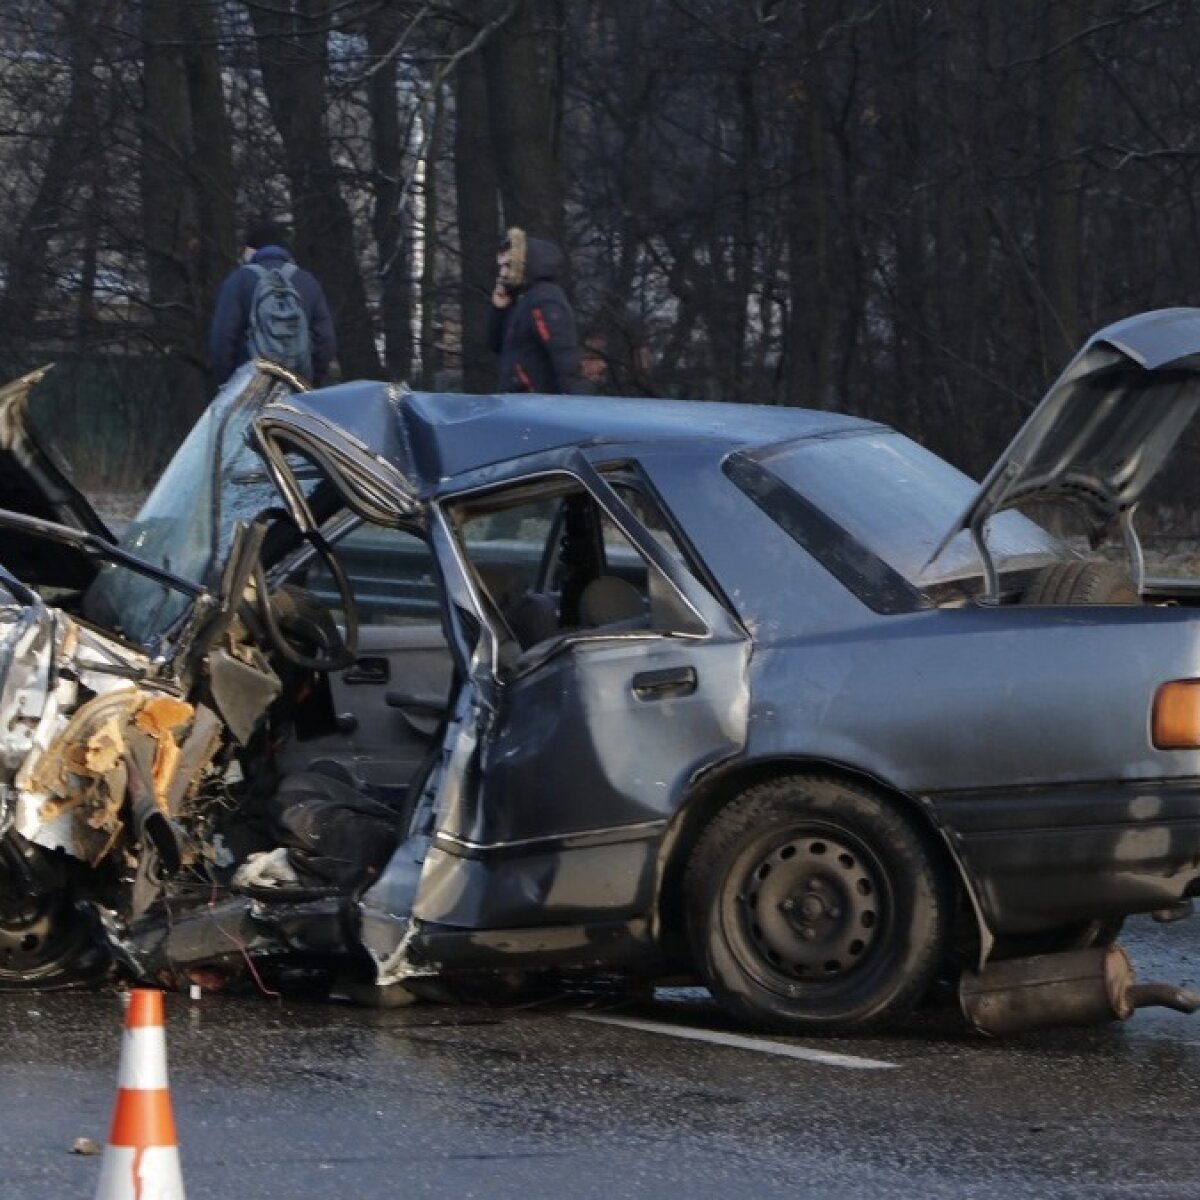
531	324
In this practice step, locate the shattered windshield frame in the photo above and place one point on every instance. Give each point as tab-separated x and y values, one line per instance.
214	483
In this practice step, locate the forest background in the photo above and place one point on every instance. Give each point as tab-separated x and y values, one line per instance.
912	211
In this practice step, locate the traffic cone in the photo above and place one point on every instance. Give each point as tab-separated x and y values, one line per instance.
141	1158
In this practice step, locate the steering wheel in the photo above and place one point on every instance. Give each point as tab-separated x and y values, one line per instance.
300	627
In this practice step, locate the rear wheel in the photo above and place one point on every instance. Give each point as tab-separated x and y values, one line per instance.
814	906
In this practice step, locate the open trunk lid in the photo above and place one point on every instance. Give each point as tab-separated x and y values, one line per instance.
1103	430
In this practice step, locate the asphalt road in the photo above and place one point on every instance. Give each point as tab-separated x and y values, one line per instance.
300	1101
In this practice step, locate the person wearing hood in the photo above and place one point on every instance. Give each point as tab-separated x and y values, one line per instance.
232	336
531	325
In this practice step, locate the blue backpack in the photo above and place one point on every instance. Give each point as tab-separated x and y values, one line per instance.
278	328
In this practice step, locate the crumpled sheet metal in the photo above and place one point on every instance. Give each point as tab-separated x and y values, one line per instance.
36	692
74	795
160	718
28	701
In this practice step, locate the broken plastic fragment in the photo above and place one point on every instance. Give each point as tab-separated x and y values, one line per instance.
162	715
166	760
103	750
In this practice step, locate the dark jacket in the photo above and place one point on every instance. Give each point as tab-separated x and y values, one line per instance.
535	335
227	348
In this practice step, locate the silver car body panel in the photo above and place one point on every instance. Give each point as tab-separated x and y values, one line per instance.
1105	427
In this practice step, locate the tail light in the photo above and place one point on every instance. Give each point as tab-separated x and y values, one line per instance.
1175	719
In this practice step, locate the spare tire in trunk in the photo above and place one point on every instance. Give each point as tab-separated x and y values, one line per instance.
1082	583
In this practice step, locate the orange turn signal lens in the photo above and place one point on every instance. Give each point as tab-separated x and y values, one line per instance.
1175	722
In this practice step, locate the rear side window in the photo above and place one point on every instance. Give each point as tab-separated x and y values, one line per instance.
873	507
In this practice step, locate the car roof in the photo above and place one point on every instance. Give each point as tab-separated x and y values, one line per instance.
444	434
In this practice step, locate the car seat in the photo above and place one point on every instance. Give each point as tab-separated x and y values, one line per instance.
609	600
533	618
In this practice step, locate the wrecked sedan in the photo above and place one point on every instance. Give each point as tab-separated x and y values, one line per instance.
423	694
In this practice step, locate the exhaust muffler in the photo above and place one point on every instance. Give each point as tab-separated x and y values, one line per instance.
1077	987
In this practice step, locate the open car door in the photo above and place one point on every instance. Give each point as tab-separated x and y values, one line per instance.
389	701
574	733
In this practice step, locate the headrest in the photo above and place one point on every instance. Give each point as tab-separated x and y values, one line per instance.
608	600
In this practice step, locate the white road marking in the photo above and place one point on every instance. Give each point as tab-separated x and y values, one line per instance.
828	1058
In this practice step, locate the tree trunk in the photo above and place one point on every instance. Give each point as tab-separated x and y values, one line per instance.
390	212
478	221
72	144
430	351
293	56
170	219
521	110
808	353
1058	228
211	162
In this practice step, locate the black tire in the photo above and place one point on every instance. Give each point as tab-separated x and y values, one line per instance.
46	941
47	946
814	906
1081	583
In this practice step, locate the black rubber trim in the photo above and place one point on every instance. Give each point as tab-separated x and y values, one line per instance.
614	835
875	583
1030	810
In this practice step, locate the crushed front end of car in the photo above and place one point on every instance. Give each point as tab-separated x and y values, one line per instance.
99	759
138	710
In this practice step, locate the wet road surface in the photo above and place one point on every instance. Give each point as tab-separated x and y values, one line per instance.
299	1101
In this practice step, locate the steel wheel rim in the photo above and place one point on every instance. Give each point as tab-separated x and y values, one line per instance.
813	906
36	938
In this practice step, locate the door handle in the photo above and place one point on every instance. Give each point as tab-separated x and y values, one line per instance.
662	685
423	714
367	670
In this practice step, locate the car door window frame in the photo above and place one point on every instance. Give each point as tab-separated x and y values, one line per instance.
305	559
581	475
702	599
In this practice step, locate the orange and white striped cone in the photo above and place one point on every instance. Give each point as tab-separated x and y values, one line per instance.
141	1159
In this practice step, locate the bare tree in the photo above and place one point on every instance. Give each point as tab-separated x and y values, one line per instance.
477	199
523	95
293	56
170	206
390	138
73	147
909	211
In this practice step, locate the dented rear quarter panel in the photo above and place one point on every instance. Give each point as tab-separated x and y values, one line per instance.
1022	733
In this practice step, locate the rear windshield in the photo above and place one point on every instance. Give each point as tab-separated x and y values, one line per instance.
895	501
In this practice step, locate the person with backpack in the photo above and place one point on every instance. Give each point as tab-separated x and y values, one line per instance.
271	308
